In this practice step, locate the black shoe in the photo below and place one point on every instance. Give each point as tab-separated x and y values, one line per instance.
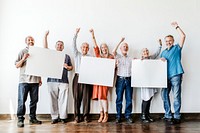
54	121
20	123
150	119
176	121
34	121
144	118
169	121
63	121
59	120
129	120
118	120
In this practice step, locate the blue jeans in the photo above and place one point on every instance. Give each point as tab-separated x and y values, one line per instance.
174	84
121	85
23	90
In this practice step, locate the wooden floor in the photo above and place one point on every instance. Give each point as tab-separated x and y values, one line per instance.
189	126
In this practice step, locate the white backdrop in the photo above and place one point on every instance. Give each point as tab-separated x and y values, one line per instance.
141	22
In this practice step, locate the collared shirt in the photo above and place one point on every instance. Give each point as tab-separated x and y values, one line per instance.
77	55
64	78
23	78
123	65
173	57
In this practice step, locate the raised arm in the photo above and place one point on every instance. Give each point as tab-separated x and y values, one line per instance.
93	37
114	52
155	55
74	47
181	33
45	43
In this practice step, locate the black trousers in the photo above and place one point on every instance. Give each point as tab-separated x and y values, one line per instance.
81	92
146	106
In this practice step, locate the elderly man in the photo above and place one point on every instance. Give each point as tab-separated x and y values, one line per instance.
123	82
174	74
59	88
27	84
80	91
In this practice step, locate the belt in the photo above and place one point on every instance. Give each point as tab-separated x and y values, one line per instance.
124	77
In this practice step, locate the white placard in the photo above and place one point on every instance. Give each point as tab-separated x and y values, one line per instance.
97	71
149	73
45	62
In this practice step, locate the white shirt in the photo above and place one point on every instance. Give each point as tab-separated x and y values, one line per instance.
77	55
123	65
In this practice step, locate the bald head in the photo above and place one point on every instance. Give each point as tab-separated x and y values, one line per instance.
124	48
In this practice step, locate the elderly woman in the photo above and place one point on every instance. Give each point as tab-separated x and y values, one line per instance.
101	92
148	93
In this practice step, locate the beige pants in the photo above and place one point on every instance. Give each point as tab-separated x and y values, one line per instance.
58	99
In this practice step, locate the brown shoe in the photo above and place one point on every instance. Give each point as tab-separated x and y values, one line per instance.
86	120
105	119
101	117
76	120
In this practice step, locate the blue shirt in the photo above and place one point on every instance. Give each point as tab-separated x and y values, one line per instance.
65	72
173	57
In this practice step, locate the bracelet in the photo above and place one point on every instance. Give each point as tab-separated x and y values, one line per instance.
177	27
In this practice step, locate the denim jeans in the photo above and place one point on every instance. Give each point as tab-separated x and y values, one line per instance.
23	90
174	84
121	85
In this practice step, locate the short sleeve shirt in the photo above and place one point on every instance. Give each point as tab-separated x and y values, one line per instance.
24	78
173	57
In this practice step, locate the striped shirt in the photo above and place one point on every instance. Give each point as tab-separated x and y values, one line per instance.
123	65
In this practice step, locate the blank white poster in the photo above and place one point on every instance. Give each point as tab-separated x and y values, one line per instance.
149	73
45	62
97	71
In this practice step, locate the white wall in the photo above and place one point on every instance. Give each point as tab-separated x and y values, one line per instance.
141	22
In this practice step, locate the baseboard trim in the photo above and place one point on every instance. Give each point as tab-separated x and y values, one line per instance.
185	116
